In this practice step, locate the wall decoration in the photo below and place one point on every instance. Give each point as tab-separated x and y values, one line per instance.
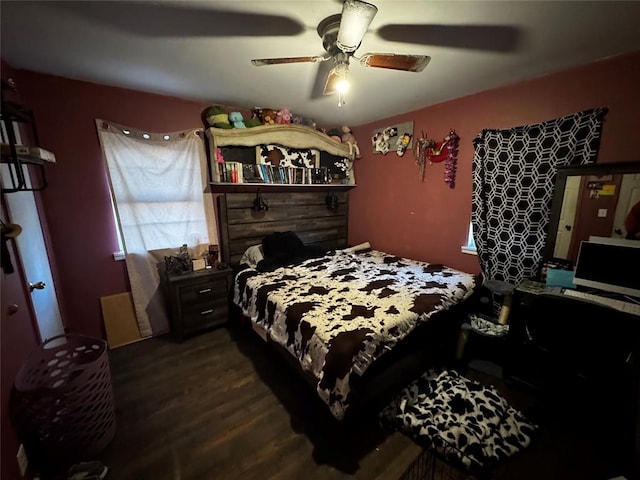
428	150
423	144
451	163
393	137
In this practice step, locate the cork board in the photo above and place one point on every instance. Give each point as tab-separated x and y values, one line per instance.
119	320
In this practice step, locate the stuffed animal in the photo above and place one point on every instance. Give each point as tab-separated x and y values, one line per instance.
269	116
256	113
309	122
217	117
219	156
252	122
283	116
235	118
347	137
335	134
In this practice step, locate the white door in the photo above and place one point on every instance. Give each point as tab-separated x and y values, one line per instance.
21	207
567	217
629	196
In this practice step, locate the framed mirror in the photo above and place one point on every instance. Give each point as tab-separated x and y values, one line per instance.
590	200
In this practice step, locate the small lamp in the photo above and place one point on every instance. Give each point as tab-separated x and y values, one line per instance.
332	202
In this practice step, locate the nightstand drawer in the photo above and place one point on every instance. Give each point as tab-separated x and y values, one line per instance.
203	291
198	300
205	315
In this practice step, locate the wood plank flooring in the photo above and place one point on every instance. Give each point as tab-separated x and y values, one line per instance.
221	405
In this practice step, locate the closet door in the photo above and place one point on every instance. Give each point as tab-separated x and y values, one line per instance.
34	259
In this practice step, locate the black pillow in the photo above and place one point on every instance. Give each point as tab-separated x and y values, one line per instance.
283	246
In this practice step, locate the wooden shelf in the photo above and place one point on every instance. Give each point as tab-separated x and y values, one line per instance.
26	154
293	136
17	156
294	146
279	187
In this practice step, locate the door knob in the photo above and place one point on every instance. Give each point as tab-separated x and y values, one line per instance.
36	286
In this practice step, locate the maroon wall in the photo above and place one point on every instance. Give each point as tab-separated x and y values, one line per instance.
397	213
77	203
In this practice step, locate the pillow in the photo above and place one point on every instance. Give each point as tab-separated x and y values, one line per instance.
252	256
361	247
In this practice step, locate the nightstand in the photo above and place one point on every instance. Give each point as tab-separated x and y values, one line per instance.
197	300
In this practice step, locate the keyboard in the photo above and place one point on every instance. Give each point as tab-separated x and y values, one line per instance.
620	305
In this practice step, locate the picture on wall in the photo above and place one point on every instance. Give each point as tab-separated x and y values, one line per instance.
393	138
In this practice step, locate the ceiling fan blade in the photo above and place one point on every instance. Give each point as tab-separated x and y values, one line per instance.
409	63
493	38
356	18
259	62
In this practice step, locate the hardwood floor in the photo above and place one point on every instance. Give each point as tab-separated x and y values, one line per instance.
222	405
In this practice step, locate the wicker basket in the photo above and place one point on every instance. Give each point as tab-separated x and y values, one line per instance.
62	402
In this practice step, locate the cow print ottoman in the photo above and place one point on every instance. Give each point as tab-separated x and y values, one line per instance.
468	423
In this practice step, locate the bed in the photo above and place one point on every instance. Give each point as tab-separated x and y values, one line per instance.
358	325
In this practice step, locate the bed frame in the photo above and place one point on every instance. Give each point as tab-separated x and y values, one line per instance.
306	213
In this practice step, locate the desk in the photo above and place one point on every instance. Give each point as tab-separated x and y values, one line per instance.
592	340
580	357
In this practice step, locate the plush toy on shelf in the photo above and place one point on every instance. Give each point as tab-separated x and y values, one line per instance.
347	137
252	122
217	117
219	156
236	119
335	134
269	116
283	116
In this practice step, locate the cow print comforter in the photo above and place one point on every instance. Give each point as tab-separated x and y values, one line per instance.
338	313
468	423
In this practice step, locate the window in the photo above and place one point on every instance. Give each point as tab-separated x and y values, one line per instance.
470	247
158	189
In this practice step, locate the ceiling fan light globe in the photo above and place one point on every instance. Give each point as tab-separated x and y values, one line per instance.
356	18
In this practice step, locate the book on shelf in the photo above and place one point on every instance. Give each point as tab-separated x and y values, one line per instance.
237	172
230	172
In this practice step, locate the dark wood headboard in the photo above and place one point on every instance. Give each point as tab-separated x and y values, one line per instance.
304	213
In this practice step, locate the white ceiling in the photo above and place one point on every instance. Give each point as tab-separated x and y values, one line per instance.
201	50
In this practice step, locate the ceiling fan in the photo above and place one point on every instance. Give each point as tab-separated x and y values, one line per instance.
341	36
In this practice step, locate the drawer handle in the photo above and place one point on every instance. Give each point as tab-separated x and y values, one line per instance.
207	312
206	290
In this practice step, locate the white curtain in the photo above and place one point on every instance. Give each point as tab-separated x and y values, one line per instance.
158	183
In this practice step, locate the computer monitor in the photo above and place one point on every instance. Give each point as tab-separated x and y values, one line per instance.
610	265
